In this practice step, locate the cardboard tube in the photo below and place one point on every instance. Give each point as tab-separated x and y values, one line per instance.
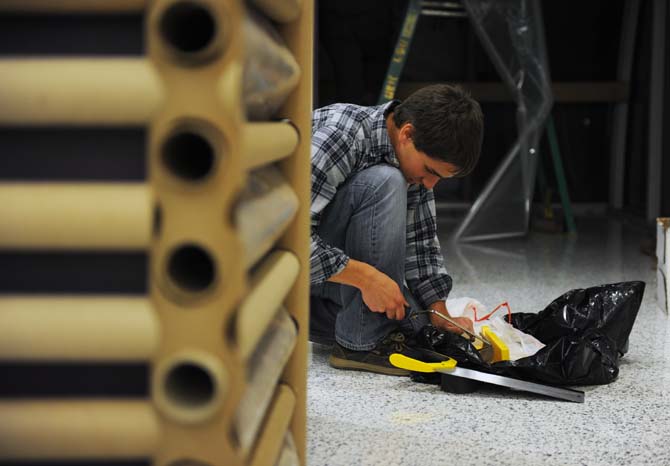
289	452
264	210
274	430
190	386
36	430
263	371
269	287
55	328
282	11
268	142
74	216
73	6
192	32
78	91
271	72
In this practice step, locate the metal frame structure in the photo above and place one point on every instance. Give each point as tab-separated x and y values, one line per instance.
530	120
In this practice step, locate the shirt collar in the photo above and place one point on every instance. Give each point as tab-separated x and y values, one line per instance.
381	141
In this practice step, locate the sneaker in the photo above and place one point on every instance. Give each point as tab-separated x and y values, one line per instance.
375	360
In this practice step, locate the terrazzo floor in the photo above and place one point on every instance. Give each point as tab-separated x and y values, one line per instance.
357	418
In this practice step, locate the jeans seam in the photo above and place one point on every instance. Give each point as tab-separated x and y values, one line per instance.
369	193
374	256
355	347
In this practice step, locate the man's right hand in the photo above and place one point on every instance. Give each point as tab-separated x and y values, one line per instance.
382	294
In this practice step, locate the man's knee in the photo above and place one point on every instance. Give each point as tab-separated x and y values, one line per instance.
384	177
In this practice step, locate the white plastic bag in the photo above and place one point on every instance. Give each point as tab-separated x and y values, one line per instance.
520	344
465	307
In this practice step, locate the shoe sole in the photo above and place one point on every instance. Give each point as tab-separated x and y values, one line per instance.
346	364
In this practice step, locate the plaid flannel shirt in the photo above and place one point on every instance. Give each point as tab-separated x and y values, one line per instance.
346	139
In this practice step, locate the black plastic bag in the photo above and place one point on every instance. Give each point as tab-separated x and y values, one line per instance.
436	345
433	343
585	332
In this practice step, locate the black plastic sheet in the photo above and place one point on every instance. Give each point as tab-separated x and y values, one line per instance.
585	332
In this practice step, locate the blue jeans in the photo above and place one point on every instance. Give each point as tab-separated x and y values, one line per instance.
367	219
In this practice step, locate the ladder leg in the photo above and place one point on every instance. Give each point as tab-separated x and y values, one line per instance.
560	176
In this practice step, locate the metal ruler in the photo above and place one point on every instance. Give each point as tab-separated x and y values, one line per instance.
449	367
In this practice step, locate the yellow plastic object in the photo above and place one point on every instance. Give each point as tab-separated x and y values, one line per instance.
404	362
500	349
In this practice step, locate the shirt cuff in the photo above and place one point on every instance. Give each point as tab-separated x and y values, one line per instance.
433	289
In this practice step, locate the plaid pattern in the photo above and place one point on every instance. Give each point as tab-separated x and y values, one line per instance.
346	139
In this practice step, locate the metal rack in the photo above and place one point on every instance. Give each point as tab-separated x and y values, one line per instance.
209	307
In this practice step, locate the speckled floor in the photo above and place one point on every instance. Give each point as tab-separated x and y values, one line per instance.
357	418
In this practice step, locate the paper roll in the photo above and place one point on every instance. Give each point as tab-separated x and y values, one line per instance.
78	91
38	430
110	216
268	142
289	453
189	387
265	367
73	6
271	72
281	11
276	423
269	286
190	32
55	328
264	210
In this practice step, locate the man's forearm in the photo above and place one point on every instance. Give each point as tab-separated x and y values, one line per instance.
355	273
441	307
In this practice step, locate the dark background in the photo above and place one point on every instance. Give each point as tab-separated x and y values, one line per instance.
356	39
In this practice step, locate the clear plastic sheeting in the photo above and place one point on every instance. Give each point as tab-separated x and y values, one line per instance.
513	35
270	72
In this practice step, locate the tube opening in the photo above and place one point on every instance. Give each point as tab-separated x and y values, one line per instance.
192	268
189	155
188	27
190	385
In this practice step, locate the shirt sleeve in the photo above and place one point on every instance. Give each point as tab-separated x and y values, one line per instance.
333	160
425	273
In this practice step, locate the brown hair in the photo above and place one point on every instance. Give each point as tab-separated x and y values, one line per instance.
448	124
